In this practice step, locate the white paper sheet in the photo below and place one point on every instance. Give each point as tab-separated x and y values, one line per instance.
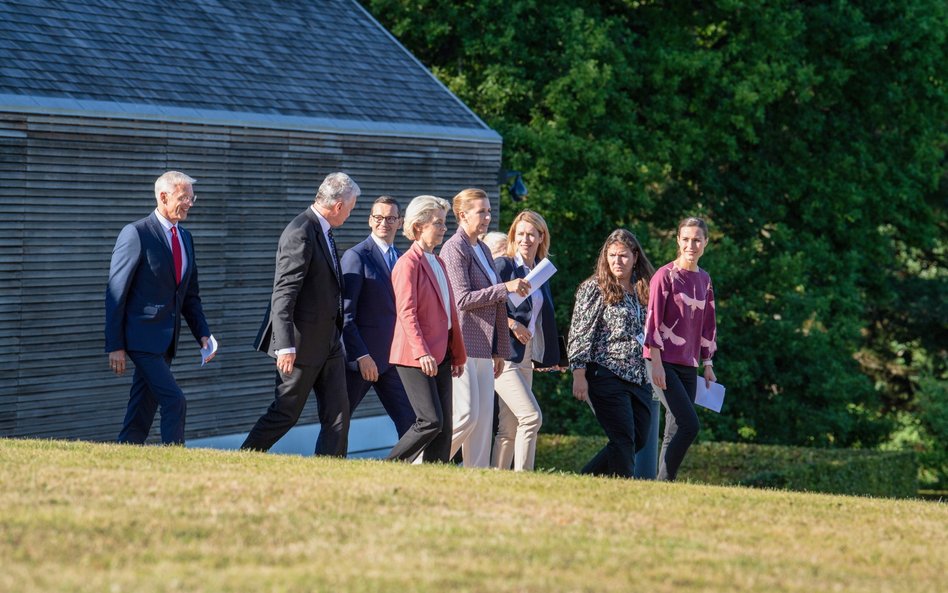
537	278
211	349
709	397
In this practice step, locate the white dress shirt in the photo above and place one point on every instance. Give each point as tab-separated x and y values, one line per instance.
383	247
325	226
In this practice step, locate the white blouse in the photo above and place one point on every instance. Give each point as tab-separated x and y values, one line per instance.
442	283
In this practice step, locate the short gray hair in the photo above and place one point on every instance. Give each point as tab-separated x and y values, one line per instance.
170	180
420	211
336	187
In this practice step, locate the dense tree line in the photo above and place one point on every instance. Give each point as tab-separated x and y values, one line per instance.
810	135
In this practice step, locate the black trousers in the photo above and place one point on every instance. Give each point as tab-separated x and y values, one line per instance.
430	398
681	420
623	410
328	383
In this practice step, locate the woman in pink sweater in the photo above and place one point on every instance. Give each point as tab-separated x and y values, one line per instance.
680	330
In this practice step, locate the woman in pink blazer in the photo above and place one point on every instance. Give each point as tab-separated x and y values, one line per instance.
427	348
481	299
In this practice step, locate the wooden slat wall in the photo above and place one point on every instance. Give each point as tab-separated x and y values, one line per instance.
67	187
12	200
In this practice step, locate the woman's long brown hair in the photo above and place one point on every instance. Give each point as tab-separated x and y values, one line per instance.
642	272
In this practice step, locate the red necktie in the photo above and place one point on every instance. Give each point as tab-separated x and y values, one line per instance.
176	254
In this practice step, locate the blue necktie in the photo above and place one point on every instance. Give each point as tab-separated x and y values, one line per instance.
334	253
392	258
335	264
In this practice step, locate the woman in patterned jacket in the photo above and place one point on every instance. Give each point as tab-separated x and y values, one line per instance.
605	351
480	298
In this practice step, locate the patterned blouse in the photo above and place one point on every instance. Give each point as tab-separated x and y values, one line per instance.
607	334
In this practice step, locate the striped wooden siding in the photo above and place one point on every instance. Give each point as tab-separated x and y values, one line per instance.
67	187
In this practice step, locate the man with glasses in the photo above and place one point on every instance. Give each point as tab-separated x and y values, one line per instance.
369	316
153	283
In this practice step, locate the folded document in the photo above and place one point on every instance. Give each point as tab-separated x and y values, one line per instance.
709	397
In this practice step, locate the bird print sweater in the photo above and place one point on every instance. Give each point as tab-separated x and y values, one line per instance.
680	320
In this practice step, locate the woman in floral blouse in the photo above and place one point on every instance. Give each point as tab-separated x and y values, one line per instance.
605	351
681	330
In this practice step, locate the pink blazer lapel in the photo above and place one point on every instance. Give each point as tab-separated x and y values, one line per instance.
429	273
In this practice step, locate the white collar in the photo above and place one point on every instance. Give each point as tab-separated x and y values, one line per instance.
382	245
323	223
167	224
518	259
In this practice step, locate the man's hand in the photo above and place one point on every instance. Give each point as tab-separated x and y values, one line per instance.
285	363
498	366
457	370
117	361
204	342
367	368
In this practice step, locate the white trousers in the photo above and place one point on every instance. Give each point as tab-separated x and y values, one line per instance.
473	414
520	416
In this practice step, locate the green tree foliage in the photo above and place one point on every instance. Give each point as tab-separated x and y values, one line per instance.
810	135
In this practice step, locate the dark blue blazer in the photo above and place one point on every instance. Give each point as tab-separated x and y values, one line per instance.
368	305
507	270
143	306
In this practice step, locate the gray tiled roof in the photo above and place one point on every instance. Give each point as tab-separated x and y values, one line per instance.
325	59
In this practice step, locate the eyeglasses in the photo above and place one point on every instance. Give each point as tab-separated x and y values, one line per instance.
389	219
190	199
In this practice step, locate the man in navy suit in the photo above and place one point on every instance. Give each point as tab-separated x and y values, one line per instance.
153	283
369	316
302	328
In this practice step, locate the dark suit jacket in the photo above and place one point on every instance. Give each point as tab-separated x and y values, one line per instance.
368	305
507	269
304	309
143	306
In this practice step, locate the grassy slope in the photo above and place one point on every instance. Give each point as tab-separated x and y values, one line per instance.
837	471
86	517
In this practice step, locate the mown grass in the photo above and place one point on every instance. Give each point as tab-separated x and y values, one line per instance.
93	517
832	471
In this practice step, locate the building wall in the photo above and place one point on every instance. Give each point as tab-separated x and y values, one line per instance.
69	184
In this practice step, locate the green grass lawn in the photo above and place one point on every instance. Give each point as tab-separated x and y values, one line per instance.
891	474
108	518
